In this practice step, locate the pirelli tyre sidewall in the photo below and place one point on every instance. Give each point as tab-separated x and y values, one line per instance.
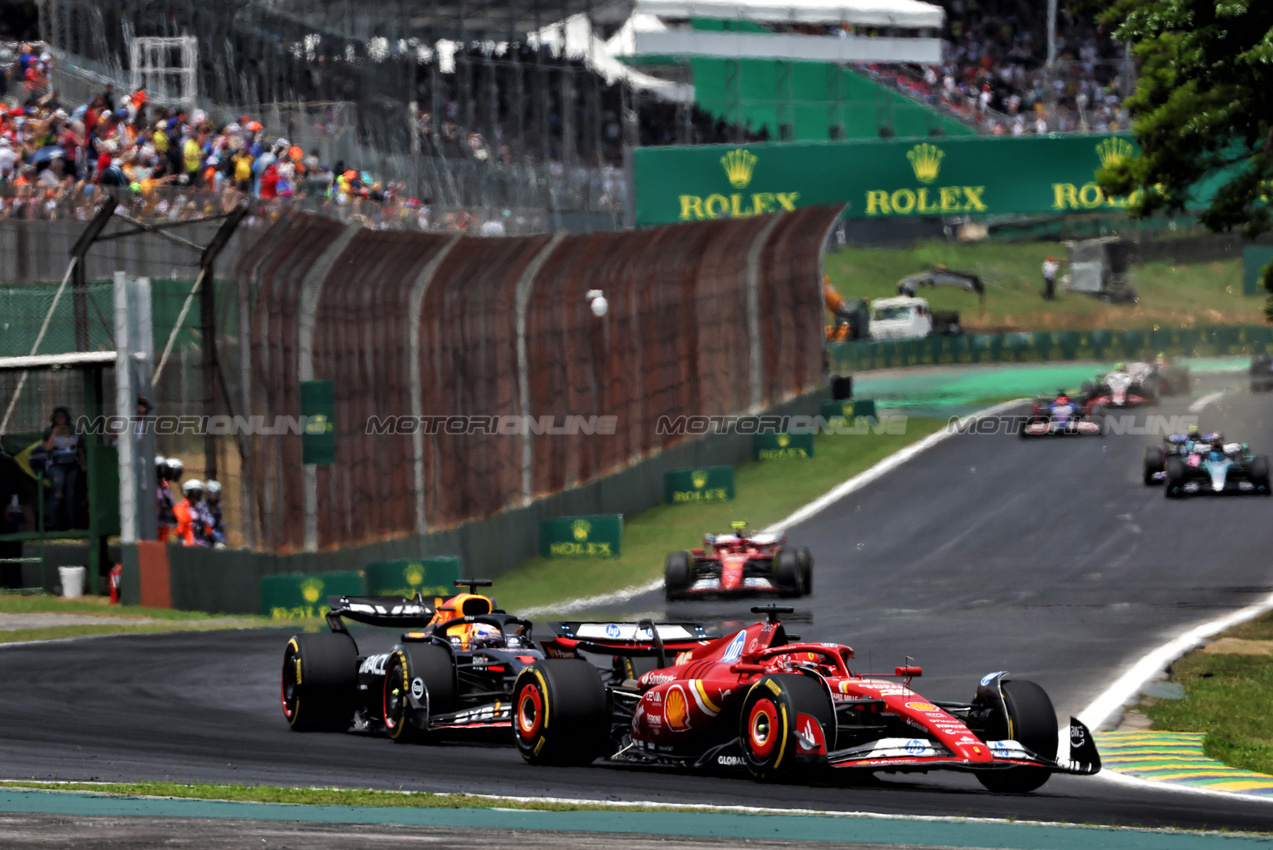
561	713
419	683
767	731
320	682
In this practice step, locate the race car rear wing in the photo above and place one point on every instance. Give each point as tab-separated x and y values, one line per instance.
644	638
392	611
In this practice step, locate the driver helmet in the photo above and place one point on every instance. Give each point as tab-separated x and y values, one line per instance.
1062	397
1161	359
1194	431
483	633
1120	366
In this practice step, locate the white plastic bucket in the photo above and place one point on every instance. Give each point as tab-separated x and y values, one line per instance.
72	581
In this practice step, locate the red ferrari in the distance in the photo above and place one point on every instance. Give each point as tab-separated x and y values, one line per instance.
739	564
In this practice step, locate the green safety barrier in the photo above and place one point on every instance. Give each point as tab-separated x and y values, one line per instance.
862	408
592	536
1214	340
782	446
692	486
430	577
298	596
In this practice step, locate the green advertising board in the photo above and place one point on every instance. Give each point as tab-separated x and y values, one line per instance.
592	536
318	411
430	577
297	596
782	446
1254	259
694	486
879	179
848	410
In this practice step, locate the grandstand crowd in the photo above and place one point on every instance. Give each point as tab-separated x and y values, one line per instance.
994	71
57	158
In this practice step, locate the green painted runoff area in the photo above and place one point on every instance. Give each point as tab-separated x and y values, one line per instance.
952	389
808	828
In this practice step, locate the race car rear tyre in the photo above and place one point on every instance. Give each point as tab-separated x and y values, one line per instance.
788	575
1260	474
425	673
320	682
1030	720
678	574
1175	468
805	558
773	738
561	713
1153	464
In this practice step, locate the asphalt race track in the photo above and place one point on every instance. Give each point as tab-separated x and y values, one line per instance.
1047	558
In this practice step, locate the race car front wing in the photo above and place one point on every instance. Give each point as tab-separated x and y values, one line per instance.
914	754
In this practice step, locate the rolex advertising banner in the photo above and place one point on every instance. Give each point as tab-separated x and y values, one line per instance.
782	446
297	596
693	486
595	536
849	411
878	179
430	577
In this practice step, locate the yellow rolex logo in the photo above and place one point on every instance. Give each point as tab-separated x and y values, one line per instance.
580	528
1113	151
784	440
311	589
926	161
414	574
738	165
699	477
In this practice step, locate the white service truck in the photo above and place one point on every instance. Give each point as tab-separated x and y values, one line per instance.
905	317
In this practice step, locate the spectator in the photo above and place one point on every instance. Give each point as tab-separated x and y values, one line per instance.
216	522
1050	268
191	526
165	501
64	463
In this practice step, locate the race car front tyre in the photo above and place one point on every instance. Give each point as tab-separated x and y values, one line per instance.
788	575
787	724
1175	468
1153	464
561	713
320	682
423	674
678	574
1031	720
1260	474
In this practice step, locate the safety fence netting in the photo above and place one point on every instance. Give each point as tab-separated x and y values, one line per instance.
472	375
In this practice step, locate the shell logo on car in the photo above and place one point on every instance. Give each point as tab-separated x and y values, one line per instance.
922	706
676	709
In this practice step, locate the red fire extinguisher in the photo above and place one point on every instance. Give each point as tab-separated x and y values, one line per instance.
117	573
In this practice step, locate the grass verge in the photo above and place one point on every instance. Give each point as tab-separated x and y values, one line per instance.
1169	295
324	796
765	493
125	619
12	602
1227	697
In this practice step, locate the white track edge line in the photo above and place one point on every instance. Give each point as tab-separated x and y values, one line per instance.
1200	404
838	492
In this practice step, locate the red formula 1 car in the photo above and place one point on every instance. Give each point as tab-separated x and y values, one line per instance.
739	564
780	709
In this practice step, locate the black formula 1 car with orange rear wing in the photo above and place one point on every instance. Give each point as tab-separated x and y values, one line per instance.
452	669
761	700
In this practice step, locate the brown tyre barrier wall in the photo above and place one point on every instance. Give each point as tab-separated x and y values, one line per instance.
711	318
